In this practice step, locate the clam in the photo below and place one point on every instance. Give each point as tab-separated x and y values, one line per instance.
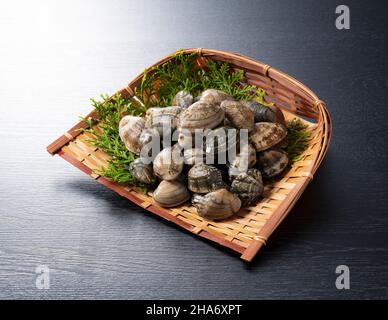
239	115
203	178
200	115
264	113
244	160
249	151
220	141
247	187
150	142
163	118
282	144
142	171
267	134
147	135
216	205
255	173
183	99
272	162
130	128
185	139
193	156
214	96
170	194
168	164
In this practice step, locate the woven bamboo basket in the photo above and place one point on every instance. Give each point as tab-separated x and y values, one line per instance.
249	230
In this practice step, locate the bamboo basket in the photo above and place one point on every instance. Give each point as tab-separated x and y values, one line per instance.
250	229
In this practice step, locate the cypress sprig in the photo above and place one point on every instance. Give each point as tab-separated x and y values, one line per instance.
298	138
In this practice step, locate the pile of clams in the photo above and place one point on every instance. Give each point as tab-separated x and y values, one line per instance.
211	149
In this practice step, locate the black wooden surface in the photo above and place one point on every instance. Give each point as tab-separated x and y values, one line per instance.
54	55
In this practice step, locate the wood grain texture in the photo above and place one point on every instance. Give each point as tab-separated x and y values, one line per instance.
55	55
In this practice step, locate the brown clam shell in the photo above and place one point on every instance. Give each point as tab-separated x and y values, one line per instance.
214	96
267	134
130	128
142	171
203	178
217	205
183	99
272	162
201	115
265	113
168	164
170	194
239	115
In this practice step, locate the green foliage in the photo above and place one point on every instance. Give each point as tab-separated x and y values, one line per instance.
219	76
110	112
164	82
298	138
184	73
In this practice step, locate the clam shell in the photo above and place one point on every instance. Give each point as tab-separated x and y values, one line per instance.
272	162
217	205
239	115
203	178
267	134
249	151
147	135
168	164
130	128
264	113
142	171
170	194
163	118
244	160
214	96
220	141
201	115
282	144
183	99
150	141
255	173
186	139
193	156
247	188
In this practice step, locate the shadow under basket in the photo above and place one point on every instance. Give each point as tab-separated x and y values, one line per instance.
248	230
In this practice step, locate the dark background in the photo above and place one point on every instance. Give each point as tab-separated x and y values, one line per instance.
54	55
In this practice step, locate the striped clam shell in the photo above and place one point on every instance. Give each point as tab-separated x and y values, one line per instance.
200	115
272	162
214	96
239	115
267	134
216	205
193	156
248	187
130	128
170	194
203	178
220	140
183	99
244	160
168	164
163	117
264	113
142	171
